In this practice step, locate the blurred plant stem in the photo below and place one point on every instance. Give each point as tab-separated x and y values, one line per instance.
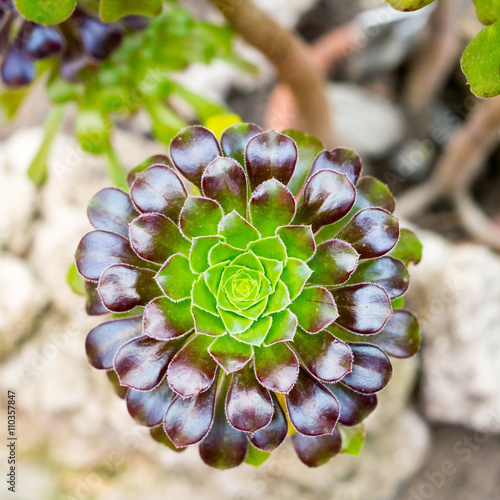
116	171
291	58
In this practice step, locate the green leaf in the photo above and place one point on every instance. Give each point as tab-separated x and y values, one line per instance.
235	323
75	280
249	260
283	327
207	323
37	170
237	231
61	91
175	277
203	297
200	249
46	11
298	240
11	100
200	217
255	456
92	129
256	334
230	354
488	11
408	5
295	275
309	147
398	303
408	249
112	10
352	438
222	252
213	276
269	248
272	270
481	62
278	300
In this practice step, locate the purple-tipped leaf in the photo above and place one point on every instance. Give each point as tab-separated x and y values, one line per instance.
315	309
161	160
317	450
237	231
200	217
273	434
165	319
230	354
276	367
354	407
298	240
93	304
175	277
234	140
341	160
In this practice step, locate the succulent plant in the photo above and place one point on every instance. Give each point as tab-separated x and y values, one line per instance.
259	272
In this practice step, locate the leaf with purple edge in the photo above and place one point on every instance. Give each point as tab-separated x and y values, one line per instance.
363	308
408	248
278	300
333	263
328	196
188	420
341	160
314	451
192	150
93	304
222	252
234	140
270	155
159	190
123	287
200	249
323	355
294	276
389	273
282	329
298	240
256	333
193	369
248	405
273	434
315	309
142	363
371	369
372	232
269	248
149	162
111	210
237	231
104	341
202	296
271	205
224	181
276	367
206	323
175	277
312	408
200	217
354	407
165	319
159	435
230	354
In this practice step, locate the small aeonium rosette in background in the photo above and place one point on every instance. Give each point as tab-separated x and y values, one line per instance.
264	278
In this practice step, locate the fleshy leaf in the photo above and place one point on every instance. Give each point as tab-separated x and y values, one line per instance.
408	5
148	407
363	308
408	248
123	287
372	232
111	210
224	181
159	190
93	304
188	420
237	231
142	363
352	439
224	447
294	276
400	337
230	354
256	333
213	276
488	11
165	319
200	217
113	10
309	147
282	329
276	367
45	11
200	249
223	252
317	450
328	196
333	263
104	340
159	435
248	405
234	140
270	155
389	273
371	369
315	309
341	160
193	369
155	238
149	162
203	297
207	323
278	300
298	240
354	407
272	435
313	409
272	205
323	355
269	248
175	277
272	269
192	150
256	457
100	249
374	193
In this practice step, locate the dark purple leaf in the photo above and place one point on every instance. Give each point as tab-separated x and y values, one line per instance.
328	196
93	304
270	155
111	210
104	340
142	363
373	193
317	450
234	140
165	319
248	405
230	354
341	160
161	160
188	420
372	232
371	369
362	308
159	190
276	367
354	407
192	150
313	409
159	435
272	435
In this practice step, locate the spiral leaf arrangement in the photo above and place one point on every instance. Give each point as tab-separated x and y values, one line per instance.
263	276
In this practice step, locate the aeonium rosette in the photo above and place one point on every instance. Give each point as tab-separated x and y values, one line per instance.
261	304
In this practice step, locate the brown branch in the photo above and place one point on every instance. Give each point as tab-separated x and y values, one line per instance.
290	57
